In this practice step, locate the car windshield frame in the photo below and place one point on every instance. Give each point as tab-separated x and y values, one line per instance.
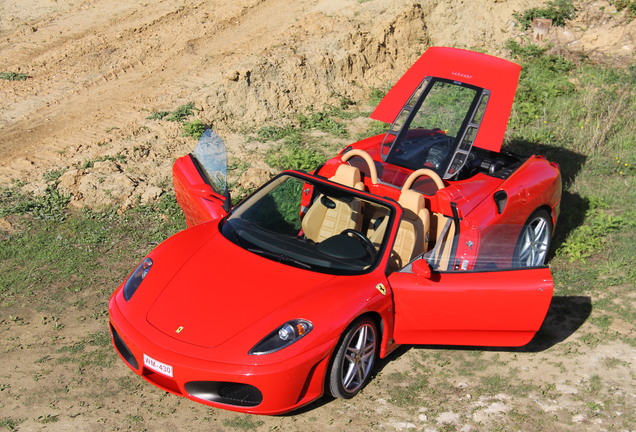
252	226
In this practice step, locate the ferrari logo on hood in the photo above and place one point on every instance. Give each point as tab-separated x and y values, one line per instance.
179	330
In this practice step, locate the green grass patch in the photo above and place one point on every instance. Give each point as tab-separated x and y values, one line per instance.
325	121
178	115
50	206
181	113
330	120
578	114
71	252
193	129
14	76
275	133
294	145
242	421
295	156
588	238
559	11
10	424
376	95
629	6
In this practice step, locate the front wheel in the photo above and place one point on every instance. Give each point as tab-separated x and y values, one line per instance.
354	359
534	240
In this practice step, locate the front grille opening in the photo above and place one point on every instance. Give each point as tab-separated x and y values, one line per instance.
229	393
123	349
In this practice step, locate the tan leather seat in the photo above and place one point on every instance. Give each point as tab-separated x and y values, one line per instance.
322	222
411	239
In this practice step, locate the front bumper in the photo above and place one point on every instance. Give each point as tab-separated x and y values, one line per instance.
258	389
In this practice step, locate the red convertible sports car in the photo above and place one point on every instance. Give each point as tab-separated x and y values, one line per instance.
427	234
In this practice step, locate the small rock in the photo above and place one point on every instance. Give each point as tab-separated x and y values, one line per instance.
6	226
151	194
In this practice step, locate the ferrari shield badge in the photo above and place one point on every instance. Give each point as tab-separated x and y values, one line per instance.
380	287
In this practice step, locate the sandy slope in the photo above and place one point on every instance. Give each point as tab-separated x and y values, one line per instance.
99	67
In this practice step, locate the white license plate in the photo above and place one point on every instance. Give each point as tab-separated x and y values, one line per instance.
157	366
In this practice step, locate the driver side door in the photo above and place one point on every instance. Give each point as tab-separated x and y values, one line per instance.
479	308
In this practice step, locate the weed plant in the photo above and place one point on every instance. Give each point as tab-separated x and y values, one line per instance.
193	129
178	115
50	206
13	76
628	5
295	155
375	96
559	11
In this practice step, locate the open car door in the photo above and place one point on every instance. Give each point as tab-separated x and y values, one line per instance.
499	305
200	180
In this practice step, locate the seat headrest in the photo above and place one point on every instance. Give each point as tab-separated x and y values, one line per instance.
347	175
412	202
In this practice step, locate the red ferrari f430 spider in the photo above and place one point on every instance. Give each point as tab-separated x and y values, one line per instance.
427	234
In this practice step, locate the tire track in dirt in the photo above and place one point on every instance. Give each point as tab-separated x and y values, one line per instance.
101	74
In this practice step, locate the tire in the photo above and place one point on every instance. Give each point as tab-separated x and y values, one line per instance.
533	243
354	359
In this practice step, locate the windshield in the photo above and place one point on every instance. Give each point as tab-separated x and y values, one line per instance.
312	225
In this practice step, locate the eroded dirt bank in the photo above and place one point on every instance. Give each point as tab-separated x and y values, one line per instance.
98	68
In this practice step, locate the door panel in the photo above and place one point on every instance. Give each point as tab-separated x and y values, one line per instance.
198	199
498	308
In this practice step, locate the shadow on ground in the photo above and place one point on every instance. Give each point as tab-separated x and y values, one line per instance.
564	317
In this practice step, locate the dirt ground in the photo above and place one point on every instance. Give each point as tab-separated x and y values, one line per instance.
98	69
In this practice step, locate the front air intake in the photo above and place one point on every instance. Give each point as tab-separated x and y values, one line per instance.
229	393
123	349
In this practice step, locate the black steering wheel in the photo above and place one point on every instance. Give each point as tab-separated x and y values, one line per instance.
365	241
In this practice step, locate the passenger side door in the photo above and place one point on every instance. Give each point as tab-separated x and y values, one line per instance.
200	181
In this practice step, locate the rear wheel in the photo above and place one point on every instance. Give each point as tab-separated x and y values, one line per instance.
534	240
354	359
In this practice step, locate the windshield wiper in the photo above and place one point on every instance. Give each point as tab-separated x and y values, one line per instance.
279	257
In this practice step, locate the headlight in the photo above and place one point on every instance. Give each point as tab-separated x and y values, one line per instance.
282	337
136	278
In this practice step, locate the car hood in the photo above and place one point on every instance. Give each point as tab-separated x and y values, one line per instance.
223	289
